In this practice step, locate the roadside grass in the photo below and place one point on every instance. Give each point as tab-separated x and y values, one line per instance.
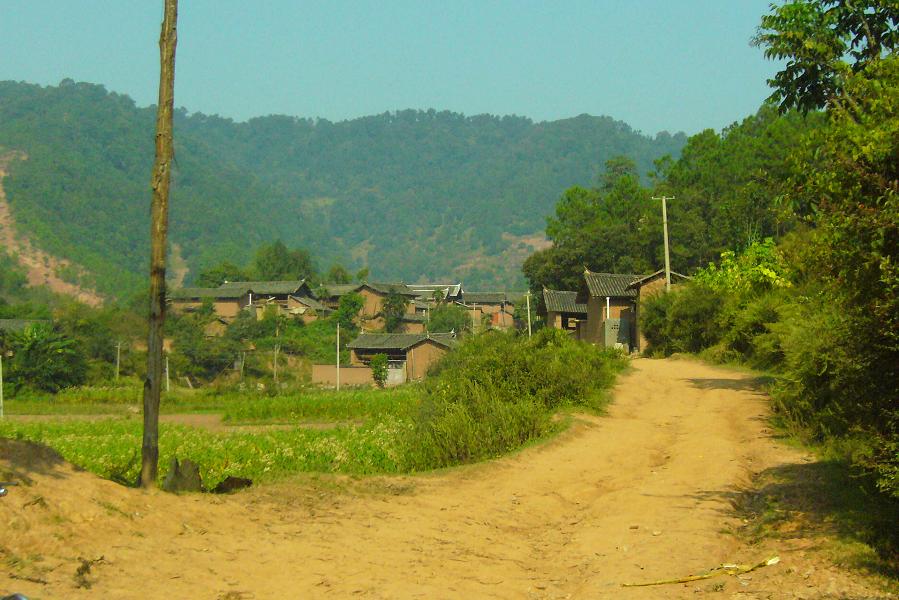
493	395
110	448
824	500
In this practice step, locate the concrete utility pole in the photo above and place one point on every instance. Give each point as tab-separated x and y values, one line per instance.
528	297
118	359
338	356
665	232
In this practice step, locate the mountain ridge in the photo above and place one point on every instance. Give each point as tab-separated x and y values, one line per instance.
413	194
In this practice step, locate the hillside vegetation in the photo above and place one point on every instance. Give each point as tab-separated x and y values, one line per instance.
412	194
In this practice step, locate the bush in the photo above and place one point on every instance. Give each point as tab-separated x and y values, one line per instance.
378	366
496	391
44	359
687	319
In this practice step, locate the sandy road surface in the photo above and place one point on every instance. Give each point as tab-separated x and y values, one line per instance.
641	494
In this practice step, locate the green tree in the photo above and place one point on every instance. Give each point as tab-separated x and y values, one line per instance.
449	317
348	311
276	262
378	366
45	359
338	274
393	309
824	43
219	274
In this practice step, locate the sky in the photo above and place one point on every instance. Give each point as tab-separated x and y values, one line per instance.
674	65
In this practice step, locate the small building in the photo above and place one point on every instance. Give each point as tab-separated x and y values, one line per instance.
562	310
611	310
495	309
428	292
226	302
413	352
373	296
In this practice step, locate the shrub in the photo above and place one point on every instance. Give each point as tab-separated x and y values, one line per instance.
44	359
496	391
378	366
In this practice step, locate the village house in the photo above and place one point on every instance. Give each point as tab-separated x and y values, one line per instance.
492	309
429	292
412	353
292	298
562	310
611	310
373	296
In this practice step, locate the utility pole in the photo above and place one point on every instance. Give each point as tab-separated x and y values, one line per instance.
1	385
167	386
118	359
338	356
159	224
528	297
665	232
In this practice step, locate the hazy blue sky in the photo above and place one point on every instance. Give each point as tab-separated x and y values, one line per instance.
656	64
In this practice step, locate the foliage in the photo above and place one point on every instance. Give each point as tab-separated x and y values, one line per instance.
378	366
683	320
393	309
111	448
496	391
347	311
362	187
219	274
824	42
338	274
449	317
44	359
760	267
275	262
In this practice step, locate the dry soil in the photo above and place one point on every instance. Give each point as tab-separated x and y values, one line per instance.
642	494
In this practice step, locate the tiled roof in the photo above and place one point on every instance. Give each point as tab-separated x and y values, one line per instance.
200	293
335	290
612	285
18	324
563	301
277	288
399	288
400	341
342	289
449	290
310	302
486	298
661	272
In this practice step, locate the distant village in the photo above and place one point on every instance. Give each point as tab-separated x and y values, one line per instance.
605	312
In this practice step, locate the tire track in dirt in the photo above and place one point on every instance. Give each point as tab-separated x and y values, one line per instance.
642	494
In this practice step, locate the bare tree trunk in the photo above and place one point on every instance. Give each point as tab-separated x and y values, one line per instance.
159	222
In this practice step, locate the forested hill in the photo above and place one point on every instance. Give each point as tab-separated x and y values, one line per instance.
412	194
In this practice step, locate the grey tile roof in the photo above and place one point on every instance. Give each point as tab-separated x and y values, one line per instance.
487	298
613	285
563	301
275	288
661	272
18	324
342	289
201	293
400	341
310	302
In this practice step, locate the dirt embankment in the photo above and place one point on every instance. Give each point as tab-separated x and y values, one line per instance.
41	267
643	494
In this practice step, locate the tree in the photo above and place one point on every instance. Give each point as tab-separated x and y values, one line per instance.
449	317
393	309
348	310
45	359
276	262
219	274
378	366
338	274
162	172
824	42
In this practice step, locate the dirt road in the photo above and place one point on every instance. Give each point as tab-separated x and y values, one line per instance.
639	495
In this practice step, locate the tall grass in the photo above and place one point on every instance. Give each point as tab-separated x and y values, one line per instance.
498	391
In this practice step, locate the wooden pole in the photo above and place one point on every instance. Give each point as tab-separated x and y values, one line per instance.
159	222
1	385
528	296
